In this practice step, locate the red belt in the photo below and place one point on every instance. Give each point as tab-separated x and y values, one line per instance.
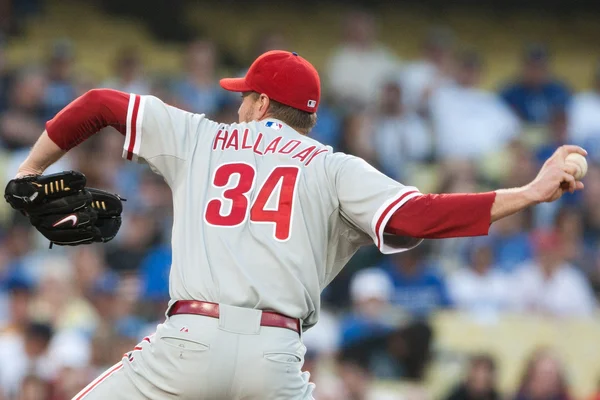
204	308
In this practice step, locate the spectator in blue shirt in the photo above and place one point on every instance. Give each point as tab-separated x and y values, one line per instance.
17	291
371	290
198	91
556	135
154	282
154	274
536	93
590	209
372	319
510	242
418	287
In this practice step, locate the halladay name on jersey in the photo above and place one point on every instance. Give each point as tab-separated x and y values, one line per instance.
225	140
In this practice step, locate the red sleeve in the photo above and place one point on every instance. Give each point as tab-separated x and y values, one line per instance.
86	115
437	216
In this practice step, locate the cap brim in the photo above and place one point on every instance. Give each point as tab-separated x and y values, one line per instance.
235	84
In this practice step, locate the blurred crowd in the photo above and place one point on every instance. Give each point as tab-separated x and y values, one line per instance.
67	314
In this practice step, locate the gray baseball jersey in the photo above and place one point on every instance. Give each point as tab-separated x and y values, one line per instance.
264	217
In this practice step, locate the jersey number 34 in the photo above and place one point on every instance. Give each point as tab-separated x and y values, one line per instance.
231	209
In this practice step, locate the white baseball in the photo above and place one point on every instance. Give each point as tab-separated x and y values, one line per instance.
579	161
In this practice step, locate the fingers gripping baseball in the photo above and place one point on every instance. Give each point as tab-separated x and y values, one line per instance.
570	169
567	149
572	159
560	174
568	183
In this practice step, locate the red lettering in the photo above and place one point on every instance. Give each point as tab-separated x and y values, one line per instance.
237	195
304	153
222	136
258	140
294	143
244	147
280	185
316	153
233	140
273	145
281	217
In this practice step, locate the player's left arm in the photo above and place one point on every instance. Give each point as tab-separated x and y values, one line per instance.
78	121
459	215
154	132
74	124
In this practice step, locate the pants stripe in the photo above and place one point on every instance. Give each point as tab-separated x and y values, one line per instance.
97	381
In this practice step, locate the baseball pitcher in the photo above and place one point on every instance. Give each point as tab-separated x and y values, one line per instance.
264	218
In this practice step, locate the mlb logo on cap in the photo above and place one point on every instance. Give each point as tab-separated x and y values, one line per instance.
274	125
311	103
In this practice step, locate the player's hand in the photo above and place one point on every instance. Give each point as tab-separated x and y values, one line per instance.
556	177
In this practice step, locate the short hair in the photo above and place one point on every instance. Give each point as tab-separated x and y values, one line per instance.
536	53
39	330
470	59
302	121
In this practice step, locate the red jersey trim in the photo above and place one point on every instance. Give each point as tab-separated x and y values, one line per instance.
97	381
385	212
133	132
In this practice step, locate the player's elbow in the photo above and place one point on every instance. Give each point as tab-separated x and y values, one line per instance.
95	96
102	96
405	230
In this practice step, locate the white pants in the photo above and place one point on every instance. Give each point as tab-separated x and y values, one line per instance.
201	358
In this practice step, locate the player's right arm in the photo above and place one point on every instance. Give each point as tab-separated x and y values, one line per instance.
161	135
457	215
381	207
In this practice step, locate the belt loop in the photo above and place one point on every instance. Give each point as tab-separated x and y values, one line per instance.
300	325
169	308
244	321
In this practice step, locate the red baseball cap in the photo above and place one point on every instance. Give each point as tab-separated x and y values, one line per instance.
284	77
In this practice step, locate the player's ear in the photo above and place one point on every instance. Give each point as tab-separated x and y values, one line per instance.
263	105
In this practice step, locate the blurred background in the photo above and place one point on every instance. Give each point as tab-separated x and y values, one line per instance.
447	96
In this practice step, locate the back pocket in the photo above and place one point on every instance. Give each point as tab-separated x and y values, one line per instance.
283	358
184	344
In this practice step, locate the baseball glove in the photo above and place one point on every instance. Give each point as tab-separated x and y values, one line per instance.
64	210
